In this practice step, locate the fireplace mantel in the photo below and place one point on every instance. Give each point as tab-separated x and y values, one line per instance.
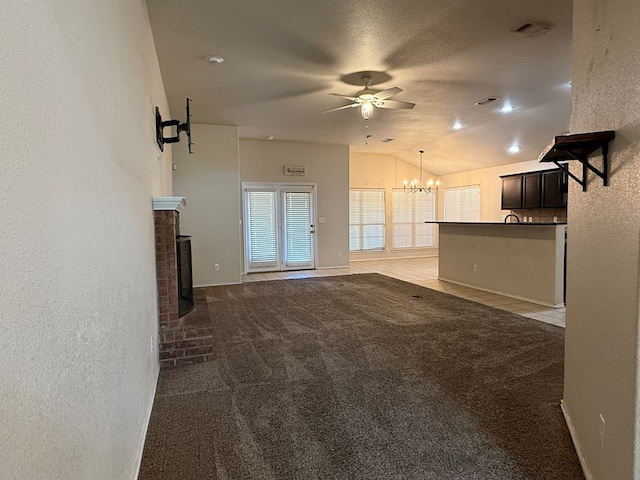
169	203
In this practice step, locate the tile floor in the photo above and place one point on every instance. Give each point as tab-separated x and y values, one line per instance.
424	272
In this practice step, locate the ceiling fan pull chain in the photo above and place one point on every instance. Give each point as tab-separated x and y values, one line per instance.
366	132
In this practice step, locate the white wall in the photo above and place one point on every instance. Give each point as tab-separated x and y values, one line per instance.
601	367
520	261
328	167
78	84
386	172
210	181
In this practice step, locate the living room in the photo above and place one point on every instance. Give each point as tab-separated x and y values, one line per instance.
79	86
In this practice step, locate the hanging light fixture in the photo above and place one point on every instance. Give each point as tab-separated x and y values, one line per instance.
415	186
366	109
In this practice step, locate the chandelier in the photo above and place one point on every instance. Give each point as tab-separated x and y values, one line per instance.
415	186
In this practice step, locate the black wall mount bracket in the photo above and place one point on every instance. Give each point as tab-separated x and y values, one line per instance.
180	127
578	147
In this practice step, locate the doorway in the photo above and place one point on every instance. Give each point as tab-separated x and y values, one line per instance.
279	227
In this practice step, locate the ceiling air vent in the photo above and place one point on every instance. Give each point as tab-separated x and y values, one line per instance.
531	29
487	100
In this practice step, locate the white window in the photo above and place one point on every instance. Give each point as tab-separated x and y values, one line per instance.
410	211
462	204
366	219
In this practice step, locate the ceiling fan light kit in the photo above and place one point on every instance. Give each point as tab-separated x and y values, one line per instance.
368	99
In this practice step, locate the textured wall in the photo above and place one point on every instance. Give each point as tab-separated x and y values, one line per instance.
78	82
210	181
603	242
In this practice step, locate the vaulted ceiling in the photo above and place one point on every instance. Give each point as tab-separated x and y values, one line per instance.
283	58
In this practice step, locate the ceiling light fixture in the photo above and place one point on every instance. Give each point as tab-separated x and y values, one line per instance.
215	59
457	125
366	109
513	149
415	186
507	108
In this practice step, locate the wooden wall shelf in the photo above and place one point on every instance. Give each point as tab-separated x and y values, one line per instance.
578	147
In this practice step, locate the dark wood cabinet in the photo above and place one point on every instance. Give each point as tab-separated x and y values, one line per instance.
512	192
554	189
544	189
531	191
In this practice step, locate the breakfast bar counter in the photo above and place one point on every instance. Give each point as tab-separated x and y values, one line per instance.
519	260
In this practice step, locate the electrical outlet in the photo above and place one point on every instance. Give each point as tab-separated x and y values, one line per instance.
216	266
602	430
475	267
339	253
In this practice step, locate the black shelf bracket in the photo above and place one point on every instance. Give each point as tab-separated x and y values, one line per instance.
578	147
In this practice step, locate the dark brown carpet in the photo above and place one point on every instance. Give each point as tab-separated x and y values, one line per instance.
362	377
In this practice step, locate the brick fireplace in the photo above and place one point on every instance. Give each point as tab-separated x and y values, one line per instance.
186	339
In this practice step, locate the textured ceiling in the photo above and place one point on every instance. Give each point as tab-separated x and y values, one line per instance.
282	59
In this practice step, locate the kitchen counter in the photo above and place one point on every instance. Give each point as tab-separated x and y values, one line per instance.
519	260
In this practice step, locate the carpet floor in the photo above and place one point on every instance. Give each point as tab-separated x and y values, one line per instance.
362	377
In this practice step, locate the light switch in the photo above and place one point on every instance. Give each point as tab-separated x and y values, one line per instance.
322	220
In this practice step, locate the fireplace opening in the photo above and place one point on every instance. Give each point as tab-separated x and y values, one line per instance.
185	278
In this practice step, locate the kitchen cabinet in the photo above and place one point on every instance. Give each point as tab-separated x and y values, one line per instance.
511	192
554	189
531	190
542	189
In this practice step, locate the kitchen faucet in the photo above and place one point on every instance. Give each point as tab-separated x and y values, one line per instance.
512	215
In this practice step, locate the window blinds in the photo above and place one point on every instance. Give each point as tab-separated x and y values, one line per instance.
410	211
462	204
263	229
366	219
297	228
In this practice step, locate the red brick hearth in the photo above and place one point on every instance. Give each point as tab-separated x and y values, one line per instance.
187	339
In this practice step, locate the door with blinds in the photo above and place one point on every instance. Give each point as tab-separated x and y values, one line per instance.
279	227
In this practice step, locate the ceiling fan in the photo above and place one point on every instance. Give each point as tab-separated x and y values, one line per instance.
367	99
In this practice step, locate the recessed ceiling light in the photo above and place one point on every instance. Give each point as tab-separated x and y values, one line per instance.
387	140
507	108
513	149
457	125
215	59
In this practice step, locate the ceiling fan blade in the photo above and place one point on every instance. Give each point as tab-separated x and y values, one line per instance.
394	104
389	92
344	96
351	105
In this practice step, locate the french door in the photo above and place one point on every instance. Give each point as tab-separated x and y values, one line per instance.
279	227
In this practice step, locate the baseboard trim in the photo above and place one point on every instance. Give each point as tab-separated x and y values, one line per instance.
505	294
576	442
219	284
146	424
354	257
